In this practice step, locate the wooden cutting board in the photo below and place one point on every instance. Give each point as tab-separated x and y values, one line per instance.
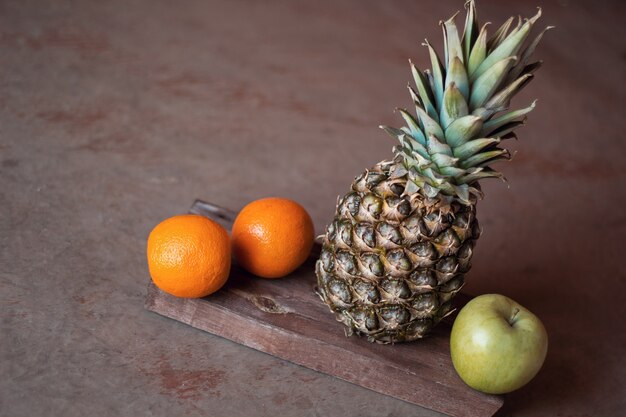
285	318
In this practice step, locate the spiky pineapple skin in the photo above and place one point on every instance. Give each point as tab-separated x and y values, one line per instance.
392	262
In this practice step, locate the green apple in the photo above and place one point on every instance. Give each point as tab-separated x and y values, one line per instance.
497	345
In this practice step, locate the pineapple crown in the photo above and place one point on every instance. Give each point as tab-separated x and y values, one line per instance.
462	108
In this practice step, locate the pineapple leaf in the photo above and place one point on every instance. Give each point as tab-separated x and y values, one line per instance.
415	160
504	157
406	140
454	106
422	162
472	147
521	65
507	129
398	134
479	175
446	189
462	192
416	101
424	92
431	127
431	83
393	132
463	129
456	74
492	125
437	73
462	107
442	160
452	171
413	126
509	46
435	146
416	148
452	42
500	34
502	99
478	159
414	96
432	177
488	82
517	26
470	33
479	51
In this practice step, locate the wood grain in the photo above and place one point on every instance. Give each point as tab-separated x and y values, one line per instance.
285	318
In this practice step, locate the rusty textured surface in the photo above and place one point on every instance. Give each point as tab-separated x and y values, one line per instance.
115	115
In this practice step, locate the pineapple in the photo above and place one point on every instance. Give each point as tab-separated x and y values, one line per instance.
402	238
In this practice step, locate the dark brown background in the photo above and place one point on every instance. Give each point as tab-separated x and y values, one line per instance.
115	115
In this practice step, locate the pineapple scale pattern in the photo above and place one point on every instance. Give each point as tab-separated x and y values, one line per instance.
390	263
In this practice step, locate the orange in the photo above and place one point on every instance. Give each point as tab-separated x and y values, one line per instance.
272	237
189	256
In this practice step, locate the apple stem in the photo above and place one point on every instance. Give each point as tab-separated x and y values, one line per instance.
512	319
